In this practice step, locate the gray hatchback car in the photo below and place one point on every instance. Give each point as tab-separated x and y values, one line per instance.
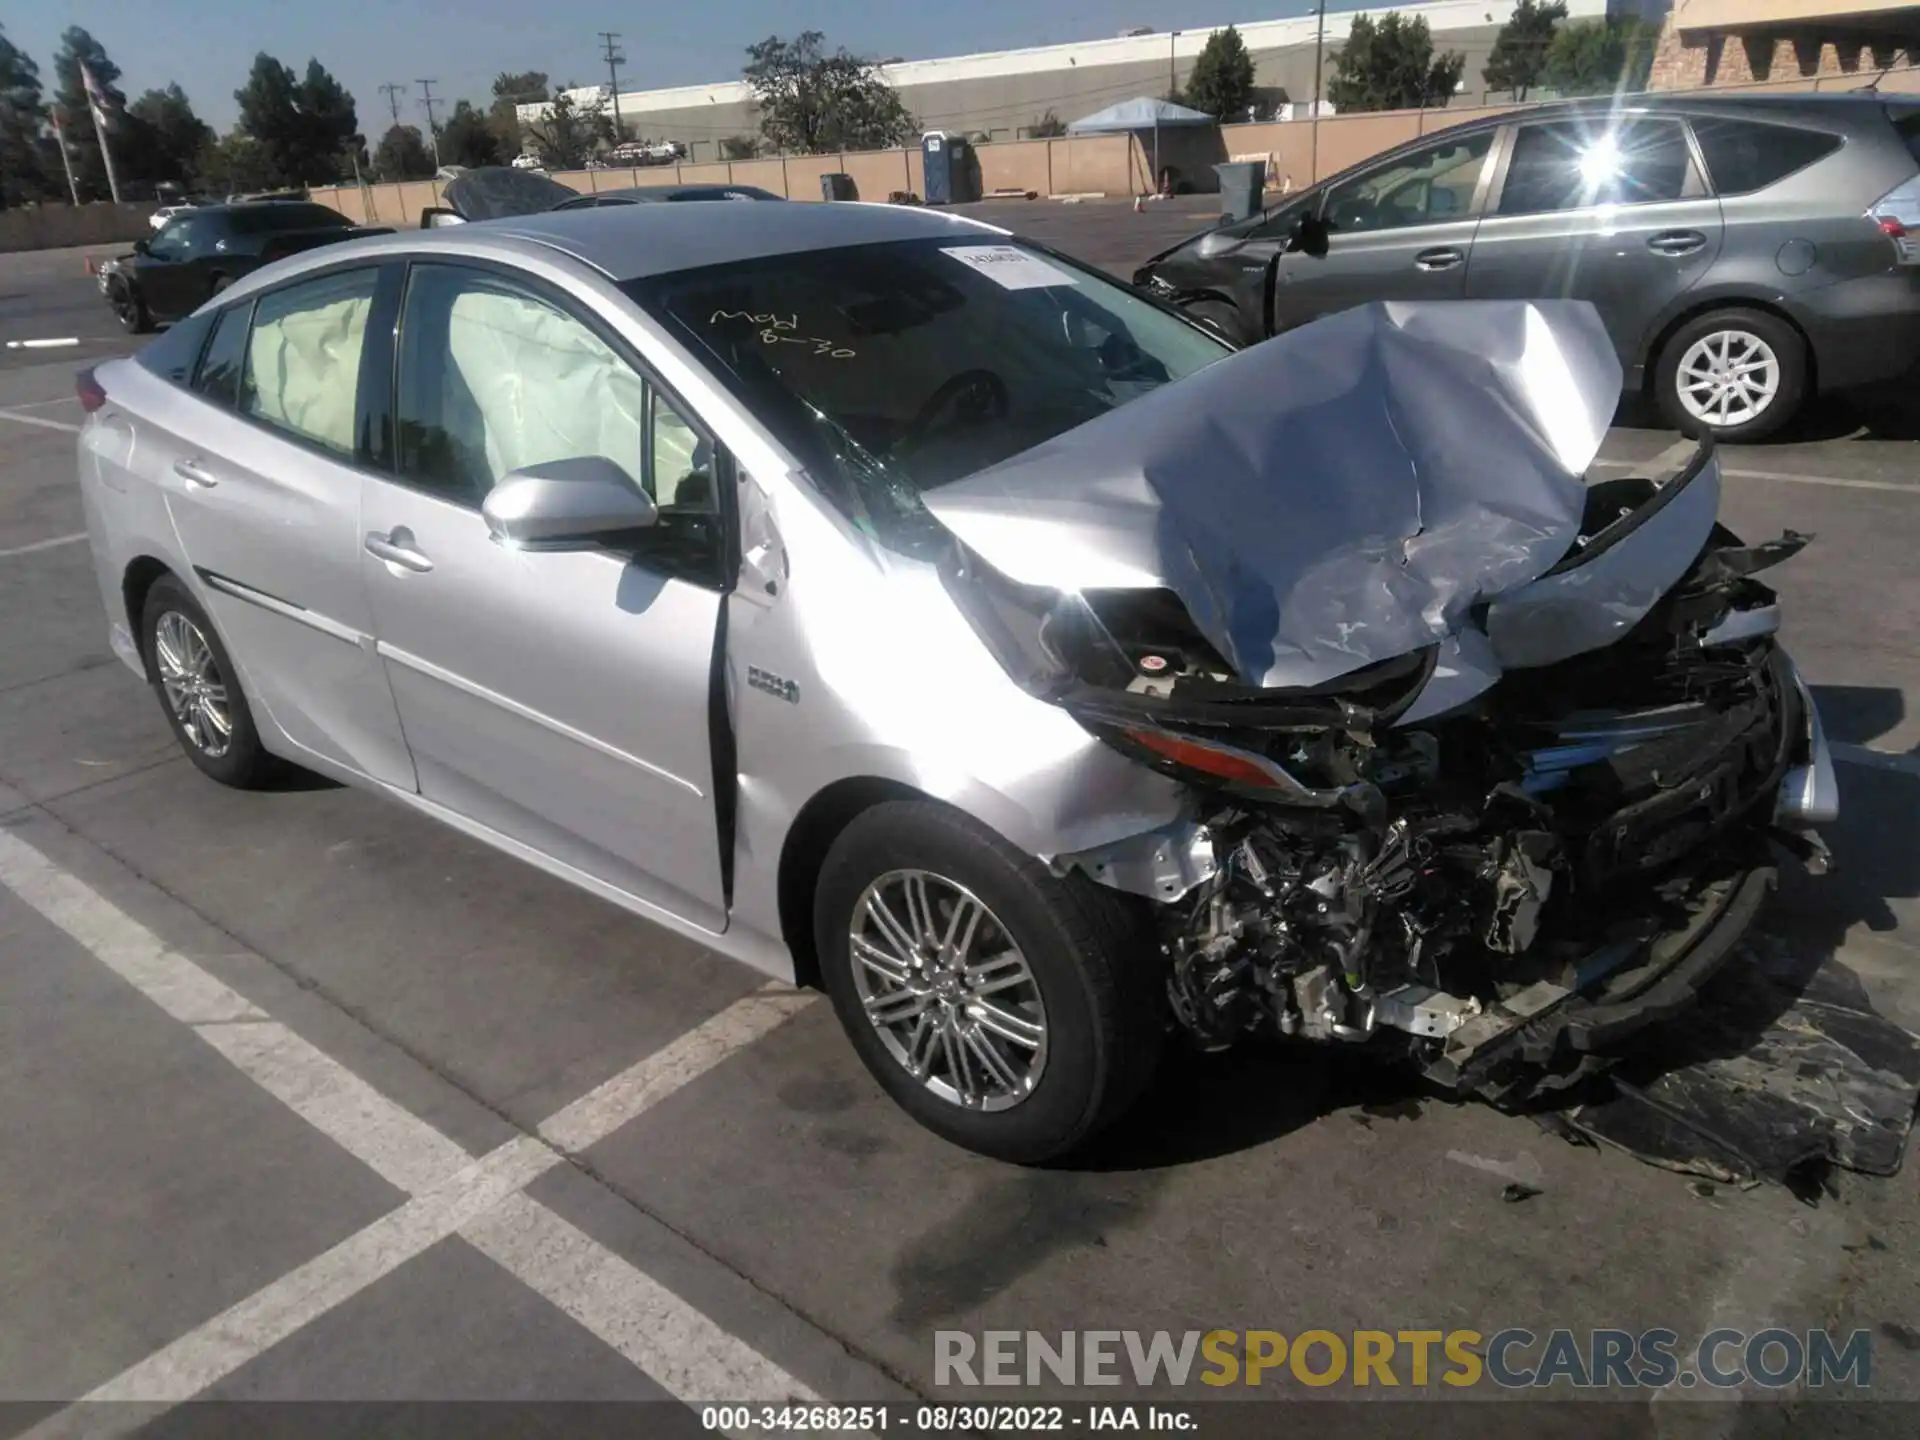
1744	251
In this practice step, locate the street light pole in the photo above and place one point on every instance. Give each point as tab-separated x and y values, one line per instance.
1319	51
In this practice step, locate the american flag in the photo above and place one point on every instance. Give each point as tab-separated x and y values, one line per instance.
96	96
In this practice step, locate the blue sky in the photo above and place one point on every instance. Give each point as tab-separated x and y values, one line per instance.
209	45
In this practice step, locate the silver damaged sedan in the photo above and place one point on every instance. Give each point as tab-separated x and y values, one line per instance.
897	606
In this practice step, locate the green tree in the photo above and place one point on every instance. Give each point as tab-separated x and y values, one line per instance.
235	164
306	128
812	102
1389	64
739	147
164	138
1048	126
569	132
469	138
1598	57
1519	53
77	47
403	155
513	88
1221	84
23	173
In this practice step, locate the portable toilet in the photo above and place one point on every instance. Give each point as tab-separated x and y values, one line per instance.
948	162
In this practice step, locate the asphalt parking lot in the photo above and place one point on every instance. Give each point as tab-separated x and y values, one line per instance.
304	1098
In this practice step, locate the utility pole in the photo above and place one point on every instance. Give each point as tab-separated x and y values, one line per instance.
610	42
393	92
427	102
1319	51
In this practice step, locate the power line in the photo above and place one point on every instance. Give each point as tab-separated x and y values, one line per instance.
393	92
610	41
427	102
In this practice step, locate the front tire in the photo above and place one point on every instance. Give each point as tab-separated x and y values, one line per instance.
129	308
199	689
1737	374
1008	1010
1220	317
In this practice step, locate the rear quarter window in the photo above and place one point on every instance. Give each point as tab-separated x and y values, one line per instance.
173	356
1907	121
1747	155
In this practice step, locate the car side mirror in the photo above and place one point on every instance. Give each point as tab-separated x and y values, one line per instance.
434	216
140	247
1310	237
565	504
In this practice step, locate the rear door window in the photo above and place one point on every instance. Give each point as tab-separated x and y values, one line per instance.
302	372
1575	165
1747	155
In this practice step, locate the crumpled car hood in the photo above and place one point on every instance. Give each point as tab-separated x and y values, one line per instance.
1341	494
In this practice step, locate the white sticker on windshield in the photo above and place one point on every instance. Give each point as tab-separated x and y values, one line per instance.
1010	267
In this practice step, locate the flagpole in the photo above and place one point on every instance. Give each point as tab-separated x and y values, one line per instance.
96	106
106	154
66	160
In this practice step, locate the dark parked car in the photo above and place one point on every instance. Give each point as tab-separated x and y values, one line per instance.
648	194
1743	251
201	252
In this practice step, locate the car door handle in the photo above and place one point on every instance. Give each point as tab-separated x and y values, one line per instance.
396	548
194	474
1441	257
1676	242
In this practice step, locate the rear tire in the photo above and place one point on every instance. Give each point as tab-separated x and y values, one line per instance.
1738	375
1063	963
199	689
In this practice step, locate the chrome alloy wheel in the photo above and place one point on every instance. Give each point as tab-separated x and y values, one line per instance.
1728	377
196	690
948	991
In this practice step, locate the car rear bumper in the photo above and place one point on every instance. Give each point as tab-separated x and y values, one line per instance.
1865	330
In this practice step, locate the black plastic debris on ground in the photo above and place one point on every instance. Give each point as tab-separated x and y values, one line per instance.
1778	1074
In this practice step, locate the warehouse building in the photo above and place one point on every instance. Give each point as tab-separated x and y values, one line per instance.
1004	94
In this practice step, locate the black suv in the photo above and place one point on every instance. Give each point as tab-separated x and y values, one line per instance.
200	252
1743	251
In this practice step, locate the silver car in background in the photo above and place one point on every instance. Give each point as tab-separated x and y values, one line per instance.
890	604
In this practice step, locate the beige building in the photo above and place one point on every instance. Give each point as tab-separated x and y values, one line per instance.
1004	94
1734	42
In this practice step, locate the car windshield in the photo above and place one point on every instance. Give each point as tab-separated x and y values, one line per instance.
893	368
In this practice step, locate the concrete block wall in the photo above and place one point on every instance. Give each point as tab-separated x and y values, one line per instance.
54	227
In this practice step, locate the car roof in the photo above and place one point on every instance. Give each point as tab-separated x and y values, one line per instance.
1856	106
632	242
667	192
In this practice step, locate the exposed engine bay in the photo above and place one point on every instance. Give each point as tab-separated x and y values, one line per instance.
1574	831
1490	763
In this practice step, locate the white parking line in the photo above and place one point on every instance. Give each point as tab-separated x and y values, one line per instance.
608	1106
1654	466
39	545
48	344
1908	764
680	1349
451	1192
40	420
212	1351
